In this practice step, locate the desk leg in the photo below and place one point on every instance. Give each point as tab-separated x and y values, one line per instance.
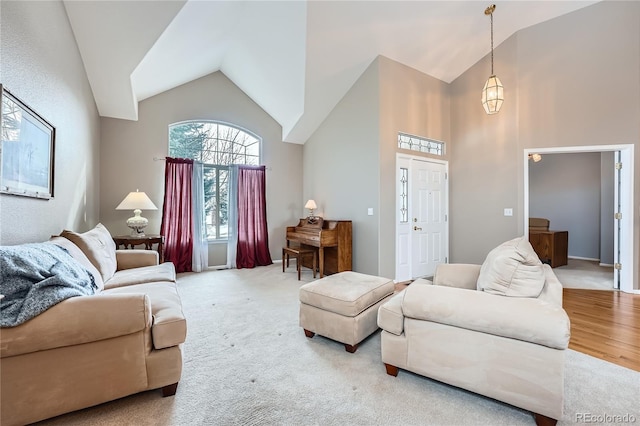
160	252
321	260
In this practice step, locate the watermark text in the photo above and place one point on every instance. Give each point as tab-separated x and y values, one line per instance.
605	418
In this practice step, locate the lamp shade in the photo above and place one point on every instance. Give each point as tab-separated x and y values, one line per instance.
492	95
311	204
136	201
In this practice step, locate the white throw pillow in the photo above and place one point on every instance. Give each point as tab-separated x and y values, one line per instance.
512	269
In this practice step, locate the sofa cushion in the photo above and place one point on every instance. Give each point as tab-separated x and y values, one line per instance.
169	325
99	248
78	255
512	269
78	320
144	274
527	319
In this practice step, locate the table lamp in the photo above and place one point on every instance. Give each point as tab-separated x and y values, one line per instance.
311	204
137	201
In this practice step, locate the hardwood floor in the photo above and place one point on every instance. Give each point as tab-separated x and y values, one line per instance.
605	324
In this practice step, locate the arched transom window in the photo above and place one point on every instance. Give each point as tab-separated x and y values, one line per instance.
217	145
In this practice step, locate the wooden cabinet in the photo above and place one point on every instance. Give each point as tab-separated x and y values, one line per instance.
551	246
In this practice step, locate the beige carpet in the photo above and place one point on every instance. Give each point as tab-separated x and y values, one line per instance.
247	362
585	274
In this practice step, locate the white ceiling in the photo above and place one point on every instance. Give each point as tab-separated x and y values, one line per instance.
296	59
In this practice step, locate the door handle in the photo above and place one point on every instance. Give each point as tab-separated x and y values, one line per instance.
415	228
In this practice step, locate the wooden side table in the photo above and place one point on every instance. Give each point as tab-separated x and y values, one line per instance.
129	241
551	246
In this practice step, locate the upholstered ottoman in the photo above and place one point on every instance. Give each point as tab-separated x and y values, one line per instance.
343	307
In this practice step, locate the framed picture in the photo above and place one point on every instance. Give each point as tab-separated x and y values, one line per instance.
27	143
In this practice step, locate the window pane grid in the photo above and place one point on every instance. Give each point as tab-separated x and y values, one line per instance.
217	146
416	143
404	202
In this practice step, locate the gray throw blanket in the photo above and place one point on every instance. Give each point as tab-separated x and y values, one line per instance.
35	277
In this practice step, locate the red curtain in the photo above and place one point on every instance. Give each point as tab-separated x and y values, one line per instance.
253	238
177	216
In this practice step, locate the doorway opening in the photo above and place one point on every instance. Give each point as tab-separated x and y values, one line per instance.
623	205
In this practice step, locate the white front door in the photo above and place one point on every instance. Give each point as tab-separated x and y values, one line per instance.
422	231
428	206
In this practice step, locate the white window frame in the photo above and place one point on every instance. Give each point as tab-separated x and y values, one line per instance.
208	167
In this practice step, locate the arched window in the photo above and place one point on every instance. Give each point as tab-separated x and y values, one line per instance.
217	145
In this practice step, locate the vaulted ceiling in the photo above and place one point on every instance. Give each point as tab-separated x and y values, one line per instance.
296	59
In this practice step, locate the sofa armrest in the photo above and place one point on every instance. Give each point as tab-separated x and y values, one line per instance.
527	319
78	320
552	290
390	316
461	275
128	259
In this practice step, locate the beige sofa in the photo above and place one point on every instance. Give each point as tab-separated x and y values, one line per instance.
87	350
485	329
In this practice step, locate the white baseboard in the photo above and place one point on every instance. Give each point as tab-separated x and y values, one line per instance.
584	258
216	268
220	267
608	265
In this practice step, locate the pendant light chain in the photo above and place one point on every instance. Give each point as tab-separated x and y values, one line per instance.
491	42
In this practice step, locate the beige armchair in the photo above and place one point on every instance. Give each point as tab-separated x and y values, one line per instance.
493	339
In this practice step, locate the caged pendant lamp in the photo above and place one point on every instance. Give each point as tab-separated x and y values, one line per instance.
493	91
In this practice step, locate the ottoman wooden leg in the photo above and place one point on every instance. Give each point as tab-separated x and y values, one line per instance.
308	333
350	348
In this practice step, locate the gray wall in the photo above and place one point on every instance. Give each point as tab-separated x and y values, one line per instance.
570	81
41	65
129	147
349	165
566	189
486	162
414	103
341	168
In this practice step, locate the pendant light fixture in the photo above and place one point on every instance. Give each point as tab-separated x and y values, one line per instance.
493	91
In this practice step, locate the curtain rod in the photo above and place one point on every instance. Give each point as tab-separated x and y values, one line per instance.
164	159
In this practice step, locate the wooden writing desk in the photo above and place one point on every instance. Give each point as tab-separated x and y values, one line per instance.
332	238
